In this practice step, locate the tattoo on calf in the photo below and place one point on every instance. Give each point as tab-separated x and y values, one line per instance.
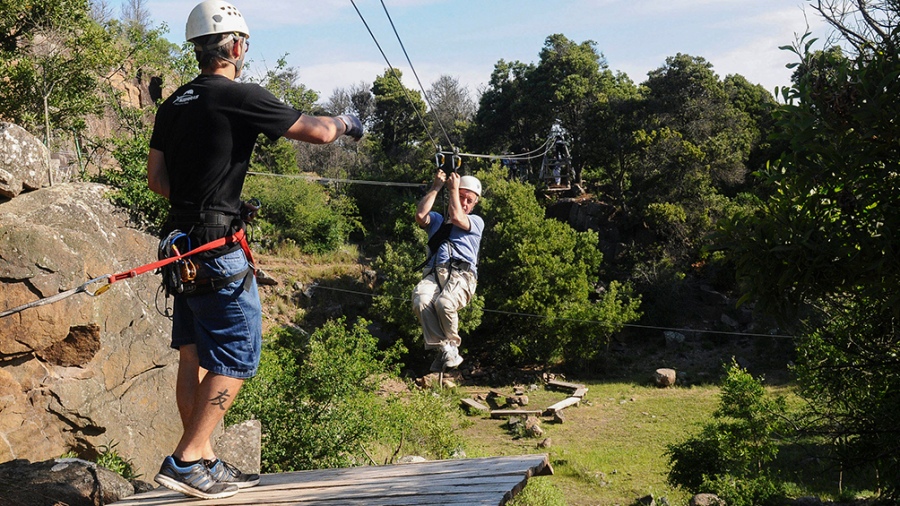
220	399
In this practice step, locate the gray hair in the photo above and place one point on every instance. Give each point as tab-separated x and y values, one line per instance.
213	48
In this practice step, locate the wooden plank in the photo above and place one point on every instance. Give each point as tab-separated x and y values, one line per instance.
563	404
486	481
472	403
581	392
564	385
500	413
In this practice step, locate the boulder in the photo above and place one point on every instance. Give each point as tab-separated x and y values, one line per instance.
74	482
241	445
706	500
24	161
533	427
85	371
664	377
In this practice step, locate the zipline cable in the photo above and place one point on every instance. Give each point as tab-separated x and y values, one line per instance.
317	179
394	73
572	320
526	156
536	153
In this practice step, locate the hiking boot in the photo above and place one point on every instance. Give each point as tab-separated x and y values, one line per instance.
194	480
223	472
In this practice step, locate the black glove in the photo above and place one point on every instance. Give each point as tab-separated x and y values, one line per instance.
249	208
354	126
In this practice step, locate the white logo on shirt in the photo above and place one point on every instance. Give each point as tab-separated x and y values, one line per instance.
187	97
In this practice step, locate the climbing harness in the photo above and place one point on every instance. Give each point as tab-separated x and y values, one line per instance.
440	237
180	276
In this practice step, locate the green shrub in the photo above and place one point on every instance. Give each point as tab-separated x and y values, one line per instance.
109	458
314	396
130	190
734	450
748	490
317	398
539	492
303	212
421	422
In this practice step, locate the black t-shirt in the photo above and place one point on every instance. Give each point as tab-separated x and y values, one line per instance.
207	131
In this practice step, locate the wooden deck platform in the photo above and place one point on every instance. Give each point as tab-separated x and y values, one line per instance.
485	481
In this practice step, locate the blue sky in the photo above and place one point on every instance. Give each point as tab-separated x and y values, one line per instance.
330	47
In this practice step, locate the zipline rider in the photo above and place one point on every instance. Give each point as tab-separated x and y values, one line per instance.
450	273
200	151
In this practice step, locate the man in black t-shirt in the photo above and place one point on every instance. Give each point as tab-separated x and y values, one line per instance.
200	151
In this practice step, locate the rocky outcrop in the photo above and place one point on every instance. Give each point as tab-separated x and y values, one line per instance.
24	161
86	371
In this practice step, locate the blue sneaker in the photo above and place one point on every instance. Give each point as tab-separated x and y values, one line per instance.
223	472
194	480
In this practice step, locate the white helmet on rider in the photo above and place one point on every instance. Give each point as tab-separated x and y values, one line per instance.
470	183
215	16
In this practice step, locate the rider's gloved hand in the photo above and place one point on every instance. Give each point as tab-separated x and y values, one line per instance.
353	127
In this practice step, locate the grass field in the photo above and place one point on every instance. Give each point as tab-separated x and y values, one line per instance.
611	448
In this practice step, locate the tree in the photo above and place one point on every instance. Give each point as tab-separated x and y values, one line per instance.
284	82
399	113
357	100
502	122
538	266
451	108
135	13
52	54
571	79
732	453
685	95
822	247
688	158
609	144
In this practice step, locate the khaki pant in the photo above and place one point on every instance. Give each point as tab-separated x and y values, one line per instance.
438	309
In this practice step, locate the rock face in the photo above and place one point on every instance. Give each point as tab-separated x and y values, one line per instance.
24	161
82	372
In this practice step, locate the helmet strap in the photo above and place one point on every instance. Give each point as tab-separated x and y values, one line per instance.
213	48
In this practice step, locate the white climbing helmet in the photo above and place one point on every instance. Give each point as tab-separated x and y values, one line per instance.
215	16
470	183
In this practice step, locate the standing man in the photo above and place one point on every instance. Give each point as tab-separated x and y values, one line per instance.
451	272
200	151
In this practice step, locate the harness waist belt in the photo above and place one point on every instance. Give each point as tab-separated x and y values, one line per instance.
454	263
202	217
203	286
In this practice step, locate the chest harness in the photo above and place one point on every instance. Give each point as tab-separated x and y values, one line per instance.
440	237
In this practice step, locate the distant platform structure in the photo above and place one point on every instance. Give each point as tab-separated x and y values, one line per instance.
486	481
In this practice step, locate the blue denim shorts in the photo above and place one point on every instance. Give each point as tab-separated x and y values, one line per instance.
225	325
